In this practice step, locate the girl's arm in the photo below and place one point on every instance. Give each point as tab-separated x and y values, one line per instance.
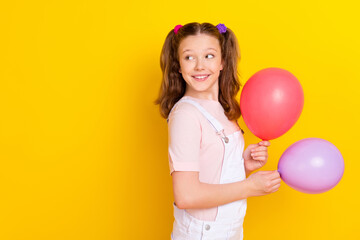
189	192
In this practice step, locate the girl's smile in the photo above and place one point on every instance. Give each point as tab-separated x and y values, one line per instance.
201	78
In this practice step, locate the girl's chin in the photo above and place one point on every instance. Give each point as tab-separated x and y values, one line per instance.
200	89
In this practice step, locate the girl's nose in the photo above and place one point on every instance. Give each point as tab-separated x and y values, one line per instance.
199	65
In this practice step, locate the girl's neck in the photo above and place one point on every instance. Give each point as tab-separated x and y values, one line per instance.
203	96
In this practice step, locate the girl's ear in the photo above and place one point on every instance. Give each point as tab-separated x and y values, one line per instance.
222	65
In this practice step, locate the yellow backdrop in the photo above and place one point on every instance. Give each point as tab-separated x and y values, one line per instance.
84	150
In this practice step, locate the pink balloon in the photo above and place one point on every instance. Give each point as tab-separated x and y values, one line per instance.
311	165
271	102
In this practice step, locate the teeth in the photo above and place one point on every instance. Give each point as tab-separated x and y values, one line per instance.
201	77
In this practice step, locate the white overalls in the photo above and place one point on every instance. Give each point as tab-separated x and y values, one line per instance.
228	224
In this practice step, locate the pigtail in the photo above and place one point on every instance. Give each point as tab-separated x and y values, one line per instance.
172	86
228	79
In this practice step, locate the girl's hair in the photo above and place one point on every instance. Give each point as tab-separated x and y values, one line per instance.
173	85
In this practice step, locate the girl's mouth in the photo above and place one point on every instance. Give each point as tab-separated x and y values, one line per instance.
201	78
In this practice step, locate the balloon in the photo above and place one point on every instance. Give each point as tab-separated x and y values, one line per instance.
271	102
311	165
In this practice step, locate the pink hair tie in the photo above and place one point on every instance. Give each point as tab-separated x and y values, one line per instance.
176	28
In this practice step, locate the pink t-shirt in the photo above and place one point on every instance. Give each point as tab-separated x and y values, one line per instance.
195	146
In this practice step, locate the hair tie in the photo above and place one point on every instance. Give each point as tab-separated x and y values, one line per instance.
221	27
176	28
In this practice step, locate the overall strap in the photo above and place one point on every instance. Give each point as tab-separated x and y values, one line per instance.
215	123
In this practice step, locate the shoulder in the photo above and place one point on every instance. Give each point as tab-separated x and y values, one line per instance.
184	111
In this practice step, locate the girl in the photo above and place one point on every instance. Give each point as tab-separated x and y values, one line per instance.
207	160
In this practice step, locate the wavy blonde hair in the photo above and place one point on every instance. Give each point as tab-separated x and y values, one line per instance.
173	85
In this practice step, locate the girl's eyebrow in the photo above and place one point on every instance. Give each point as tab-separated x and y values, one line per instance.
211	49
188	50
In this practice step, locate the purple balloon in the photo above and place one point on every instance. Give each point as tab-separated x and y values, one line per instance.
311	165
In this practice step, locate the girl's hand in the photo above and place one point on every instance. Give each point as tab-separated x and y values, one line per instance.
255	156
263	182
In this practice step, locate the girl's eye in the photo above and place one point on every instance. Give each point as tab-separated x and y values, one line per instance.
189	58
210	56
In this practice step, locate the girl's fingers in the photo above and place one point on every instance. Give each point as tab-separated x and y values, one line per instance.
258	149
276	181
259	154
261	159
264	143
275	176
275	188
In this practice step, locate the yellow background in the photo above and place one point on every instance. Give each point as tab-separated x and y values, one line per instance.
83	149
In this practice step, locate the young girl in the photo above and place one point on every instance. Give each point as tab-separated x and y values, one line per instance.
207	160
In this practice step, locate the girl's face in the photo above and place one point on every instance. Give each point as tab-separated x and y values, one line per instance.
200	65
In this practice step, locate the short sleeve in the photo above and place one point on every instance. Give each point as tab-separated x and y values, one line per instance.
184	135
